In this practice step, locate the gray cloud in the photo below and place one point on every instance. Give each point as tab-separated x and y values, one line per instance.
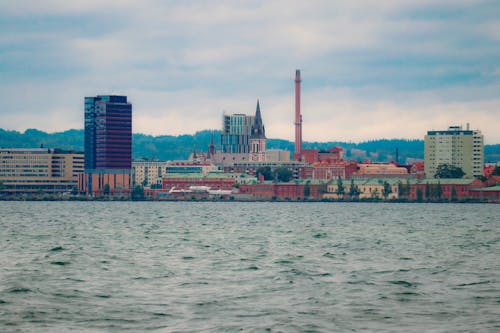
370	68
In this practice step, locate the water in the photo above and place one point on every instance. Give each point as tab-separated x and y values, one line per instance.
258	267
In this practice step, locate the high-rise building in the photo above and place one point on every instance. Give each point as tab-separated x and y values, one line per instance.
108	144
236	131
108	132
455	147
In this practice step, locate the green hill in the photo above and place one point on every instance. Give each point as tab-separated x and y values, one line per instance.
169	147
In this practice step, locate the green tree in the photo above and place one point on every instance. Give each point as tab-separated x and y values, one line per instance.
453	194
266	172
106	189
353	190
386	190
283	174
307	189
448	171
340	187
407	188
439	190
427	191
420	195
137	193
2	186
496	171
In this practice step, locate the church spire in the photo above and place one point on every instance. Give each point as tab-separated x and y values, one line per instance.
258	130
211	147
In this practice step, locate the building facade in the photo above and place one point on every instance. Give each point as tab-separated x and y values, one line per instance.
236	131
243	134
243	140
456	147
105	182
365	189
39	170
148	173
108	142
108	132
218	181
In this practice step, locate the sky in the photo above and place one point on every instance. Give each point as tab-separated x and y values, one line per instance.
370	69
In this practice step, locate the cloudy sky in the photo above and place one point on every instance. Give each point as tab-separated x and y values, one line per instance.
370	69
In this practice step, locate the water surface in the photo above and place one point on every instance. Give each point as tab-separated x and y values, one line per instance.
260	267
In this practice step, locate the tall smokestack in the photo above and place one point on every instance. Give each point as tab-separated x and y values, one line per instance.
298	118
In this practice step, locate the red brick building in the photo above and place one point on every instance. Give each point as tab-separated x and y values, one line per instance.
283	191
213	182
490	194
333	169
449	188
315	155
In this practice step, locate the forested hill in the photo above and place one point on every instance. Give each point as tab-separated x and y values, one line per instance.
168	147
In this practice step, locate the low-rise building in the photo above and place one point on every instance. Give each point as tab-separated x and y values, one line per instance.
380	170
214	181
443	188
327	169
490	194
277	155
373	188
32	170
148	173
294	190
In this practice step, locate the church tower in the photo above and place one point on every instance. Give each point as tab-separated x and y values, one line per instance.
211	148
258	138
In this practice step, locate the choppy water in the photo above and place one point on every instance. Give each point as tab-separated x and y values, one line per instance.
260	267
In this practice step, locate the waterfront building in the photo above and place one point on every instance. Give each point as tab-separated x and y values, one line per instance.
108	132
32	170
372	188
148	173
114	182
213	181
490	194
108	142
456	147
444	189
294	190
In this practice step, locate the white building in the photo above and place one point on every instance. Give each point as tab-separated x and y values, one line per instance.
456	147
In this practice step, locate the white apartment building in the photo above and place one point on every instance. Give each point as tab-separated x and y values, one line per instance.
456	147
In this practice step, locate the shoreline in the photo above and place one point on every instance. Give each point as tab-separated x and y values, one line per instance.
236	199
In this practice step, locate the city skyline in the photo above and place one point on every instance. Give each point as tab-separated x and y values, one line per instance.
369	70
